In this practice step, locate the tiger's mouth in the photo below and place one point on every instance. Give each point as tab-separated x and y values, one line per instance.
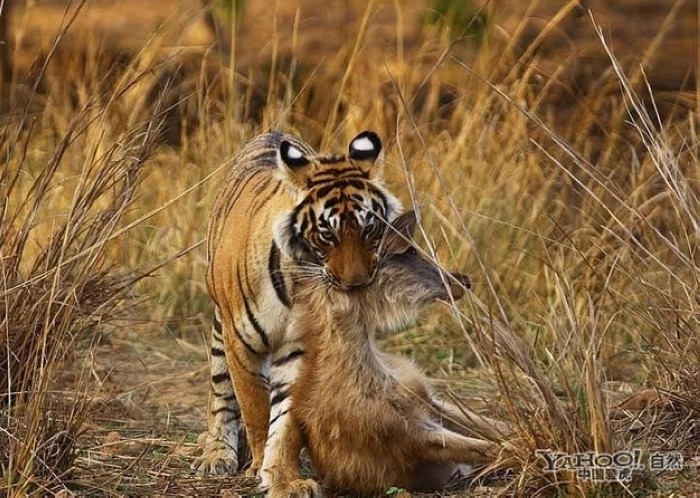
335	283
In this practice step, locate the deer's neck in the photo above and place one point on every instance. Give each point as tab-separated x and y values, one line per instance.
340	333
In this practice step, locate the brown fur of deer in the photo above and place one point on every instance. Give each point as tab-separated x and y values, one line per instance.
370	419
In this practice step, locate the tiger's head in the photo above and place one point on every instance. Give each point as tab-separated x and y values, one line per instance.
339	220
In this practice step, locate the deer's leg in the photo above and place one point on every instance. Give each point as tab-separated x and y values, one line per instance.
469	423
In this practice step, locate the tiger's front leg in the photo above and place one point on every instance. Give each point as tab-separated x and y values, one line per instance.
239	393
280	475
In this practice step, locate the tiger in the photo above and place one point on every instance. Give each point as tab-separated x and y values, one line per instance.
283	208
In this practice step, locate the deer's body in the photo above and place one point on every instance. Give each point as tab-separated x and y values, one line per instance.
370	419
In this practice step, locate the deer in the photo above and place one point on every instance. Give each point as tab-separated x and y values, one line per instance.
369	419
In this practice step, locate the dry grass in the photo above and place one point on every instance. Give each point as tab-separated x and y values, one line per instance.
580	231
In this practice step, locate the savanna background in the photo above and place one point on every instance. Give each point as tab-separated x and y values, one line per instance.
551	147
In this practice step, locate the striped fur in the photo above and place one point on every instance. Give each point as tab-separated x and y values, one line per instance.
283	208
369	419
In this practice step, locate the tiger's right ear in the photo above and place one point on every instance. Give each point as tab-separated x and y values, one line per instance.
294	167
367	146
365	152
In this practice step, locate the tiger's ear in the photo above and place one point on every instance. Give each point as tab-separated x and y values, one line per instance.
365	148
293	165
398	236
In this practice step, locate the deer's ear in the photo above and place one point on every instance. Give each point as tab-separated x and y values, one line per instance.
405	223
399	234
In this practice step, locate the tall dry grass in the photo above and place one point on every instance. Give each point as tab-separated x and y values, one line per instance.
589	276
70	178
583	251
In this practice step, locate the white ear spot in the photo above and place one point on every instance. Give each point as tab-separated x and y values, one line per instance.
294	153
365	147
292	156
363	144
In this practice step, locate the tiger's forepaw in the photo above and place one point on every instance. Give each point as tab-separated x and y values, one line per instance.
299	488
217	457
253	470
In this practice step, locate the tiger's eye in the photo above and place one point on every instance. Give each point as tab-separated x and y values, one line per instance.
327	237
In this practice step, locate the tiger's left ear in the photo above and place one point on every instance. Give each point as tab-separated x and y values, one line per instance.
365	148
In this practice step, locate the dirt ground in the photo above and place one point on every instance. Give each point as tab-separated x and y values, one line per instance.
149	405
